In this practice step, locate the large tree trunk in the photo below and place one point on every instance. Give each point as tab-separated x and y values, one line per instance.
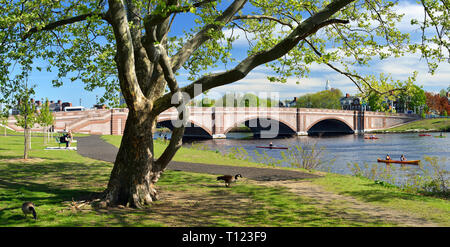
133	178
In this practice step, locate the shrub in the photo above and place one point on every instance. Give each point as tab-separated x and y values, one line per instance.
309	156
434	180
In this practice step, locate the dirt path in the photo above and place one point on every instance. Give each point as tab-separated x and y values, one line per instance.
352	209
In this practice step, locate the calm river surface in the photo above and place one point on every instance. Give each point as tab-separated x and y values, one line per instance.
350	148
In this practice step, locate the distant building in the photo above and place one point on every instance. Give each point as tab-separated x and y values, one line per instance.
291	103
59	105
53	106
350	102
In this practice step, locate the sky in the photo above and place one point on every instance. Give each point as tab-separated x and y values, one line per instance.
256	82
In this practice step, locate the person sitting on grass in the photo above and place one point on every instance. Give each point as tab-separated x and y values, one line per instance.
65	139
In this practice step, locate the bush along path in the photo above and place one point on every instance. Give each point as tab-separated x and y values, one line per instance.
299	183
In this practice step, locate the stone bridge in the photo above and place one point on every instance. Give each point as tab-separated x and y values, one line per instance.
216	122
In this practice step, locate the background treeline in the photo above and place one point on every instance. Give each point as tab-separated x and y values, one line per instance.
327	99
235	100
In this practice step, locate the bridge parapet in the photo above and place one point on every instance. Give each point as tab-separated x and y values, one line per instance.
217	121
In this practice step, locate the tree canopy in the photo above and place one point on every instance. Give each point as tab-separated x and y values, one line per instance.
327	99
77	41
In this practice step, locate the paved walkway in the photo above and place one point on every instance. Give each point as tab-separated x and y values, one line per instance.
94	147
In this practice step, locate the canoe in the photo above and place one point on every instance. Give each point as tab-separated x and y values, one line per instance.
411	162
424	135
271	147
369	137
440	136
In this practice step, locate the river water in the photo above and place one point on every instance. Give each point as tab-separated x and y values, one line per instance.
348	149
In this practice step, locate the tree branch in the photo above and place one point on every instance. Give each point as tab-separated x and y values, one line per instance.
156	19
306	28
262	17
336	69
203	35
125	58
174	144
144	67
351	75
60	23
167	70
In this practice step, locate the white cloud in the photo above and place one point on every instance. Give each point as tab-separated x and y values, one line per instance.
410	11
257	83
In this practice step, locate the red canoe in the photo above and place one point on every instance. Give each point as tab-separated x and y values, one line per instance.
424	135
272	147
410	162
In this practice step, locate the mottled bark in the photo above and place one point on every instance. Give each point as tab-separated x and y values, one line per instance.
133	177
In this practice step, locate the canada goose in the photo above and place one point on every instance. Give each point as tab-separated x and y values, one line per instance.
229	179
28	208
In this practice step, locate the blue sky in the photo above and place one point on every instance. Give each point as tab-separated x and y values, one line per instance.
256	82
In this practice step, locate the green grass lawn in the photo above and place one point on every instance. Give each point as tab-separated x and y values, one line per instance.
52	178
366	190
437	124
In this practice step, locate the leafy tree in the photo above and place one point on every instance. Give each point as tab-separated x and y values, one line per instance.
4	114
244	100
27	116
127	46
375	101
327	99
437	103
413	98
45	118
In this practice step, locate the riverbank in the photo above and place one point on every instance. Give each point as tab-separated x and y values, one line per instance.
423	125
57	182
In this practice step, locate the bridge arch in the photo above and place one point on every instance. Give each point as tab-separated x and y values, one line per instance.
194	130
284	128
330	125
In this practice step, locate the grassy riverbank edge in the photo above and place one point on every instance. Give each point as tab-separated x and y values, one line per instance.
418	126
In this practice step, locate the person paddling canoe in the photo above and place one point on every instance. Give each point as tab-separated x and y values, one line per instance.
402	158
388	157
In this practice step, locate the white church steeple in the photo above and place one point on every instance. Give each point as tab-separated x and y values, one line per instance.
328	87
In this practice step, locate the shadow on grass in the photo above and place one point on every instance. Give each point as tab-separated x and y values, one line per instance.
384	196
7	157
40	194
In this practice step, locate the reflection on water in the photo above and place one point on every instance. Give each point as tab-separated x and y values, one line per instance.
348	148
